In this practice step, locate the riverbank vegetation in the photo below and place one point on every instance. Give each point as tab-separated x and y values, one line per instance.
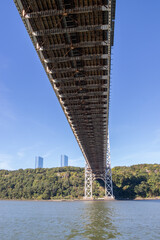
141	180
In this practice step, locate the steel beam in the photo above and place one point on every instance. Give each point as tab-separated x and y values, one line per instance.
55	31
85	102
79	125
77	79
85	68
88	103
93	122
44	47
65	13
76	58
80	109
89	114
102	93
91	133
81	87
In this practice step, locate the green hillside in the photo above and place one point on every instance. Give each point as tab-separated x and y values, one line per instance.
141	180
68	183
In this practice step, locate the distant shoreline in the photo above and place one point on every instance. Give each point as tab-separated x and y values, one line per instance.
77	200
154	198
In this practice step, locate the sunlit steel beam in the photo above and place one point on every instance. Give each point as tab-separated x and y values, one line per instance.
76	58
46	47
65	13
55	31
76	79
85	68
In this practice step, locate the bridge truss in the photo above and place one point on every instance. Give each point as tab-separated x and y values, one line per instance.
73	39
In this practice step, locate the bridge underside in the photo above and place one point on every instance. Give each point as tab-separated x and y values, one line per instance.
73	39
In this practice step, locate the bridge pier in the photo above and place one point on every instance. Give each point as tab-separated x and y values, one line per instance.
106	176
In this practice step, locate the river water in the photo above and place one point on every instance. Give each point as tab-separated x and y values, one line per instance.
79	220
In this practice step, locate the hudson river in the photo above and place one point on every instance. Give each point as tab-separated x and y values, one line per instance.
32	220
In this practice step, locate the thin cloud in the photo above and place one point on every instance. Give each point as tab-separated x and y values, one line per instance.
4	63
138	157
76	162
23	151
50	152
156	140
6	108
5	161
20	154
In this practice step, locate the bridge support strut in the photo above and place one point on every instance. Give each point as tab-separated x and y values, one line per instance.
108	174
88	182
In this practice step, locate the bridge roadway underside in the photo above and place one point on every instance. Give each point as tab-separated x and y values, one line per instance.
73	39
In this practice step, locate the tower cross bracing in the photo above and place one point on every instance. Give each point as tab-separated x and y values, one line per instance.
73	39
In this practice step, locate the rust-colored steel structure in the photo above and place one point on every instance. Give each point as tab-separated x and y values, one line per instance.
73	39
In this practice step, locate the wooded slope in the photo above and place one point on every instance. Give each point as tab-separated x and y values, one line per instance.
141	180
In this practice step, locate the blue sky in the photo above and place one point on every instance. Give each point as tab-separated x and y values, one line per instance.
31	119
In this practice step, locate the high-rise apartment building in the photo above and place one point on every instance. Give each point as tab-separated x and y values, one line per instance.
64	161
38	162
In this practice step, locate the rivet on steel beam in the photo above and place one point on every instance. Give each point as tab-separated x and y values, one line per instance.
38	47
23	13
46	60
48	70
